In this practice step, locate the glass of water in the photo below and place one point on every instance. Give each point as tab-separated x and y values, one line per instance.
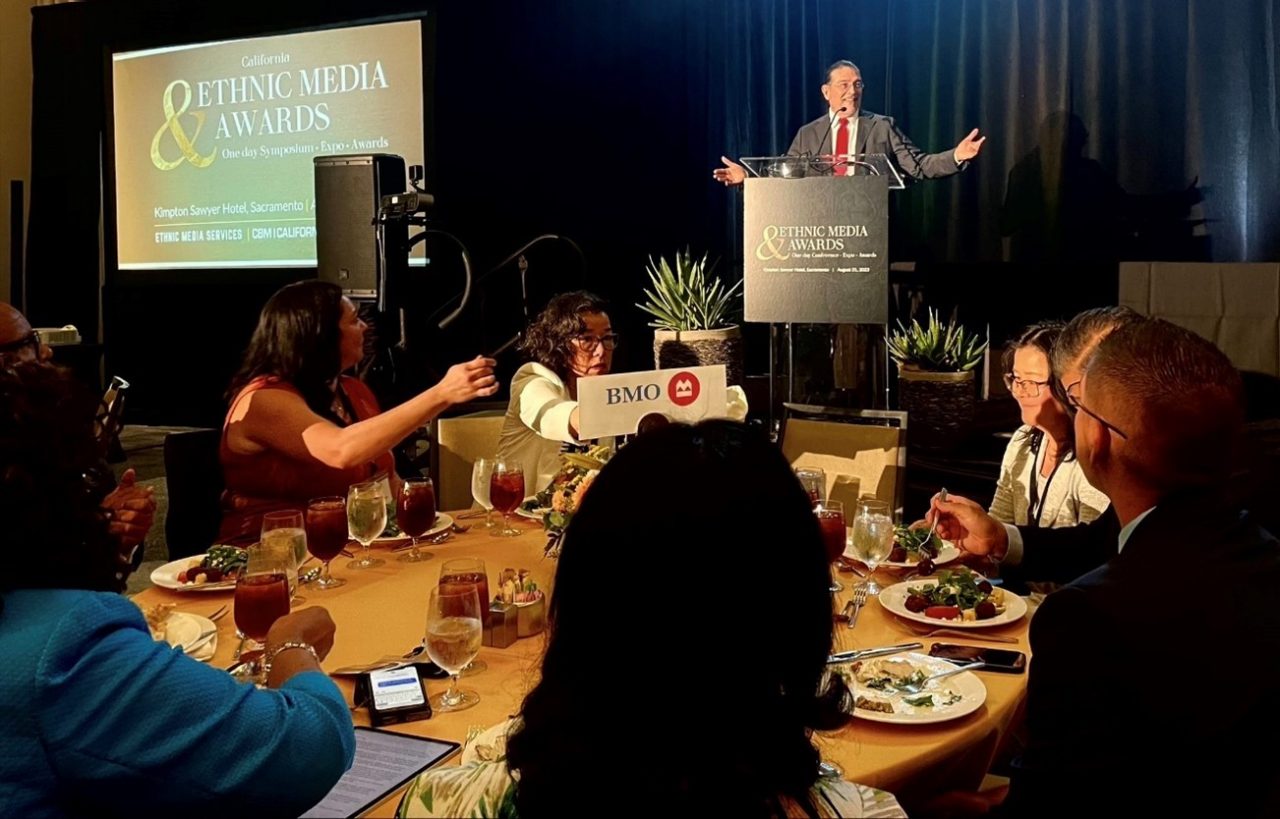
366	518
872	537
481	473
283	532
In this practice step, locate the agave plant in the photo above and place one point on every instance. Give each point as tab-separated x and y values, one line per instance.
685	297
936	348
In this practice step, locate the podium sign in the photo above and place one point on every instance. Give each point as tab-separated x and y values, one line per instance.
816	250
614	404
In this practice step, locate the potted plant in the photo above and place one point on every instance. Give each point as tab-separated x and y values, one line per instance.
935	378
692	316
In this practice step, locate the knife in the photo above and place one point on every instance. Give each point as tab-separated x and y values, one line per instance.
868	653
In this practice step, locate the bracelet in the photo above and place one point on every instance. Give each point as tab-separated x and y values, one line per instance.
285	646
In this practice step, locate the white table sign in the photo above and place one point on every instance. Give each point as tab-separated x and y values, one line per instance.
614	404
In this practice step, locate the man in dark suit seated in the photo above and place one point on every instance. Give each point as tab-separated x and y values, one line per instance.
847	129
1155	676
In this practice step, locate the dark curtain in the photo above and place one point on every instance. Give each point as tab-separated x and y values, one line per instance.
1144	129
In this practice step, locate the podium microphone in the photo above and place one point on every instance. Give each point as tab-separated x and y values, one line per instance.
827	135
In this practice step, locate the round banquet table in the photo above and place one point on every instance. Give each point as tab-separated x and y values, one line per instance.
383	611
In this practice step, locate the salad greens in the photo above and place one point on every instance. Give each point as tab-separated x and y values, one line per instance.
955	587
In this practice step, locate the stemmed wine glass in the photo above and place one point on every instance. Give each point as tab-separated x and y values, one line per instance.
832	522
458	575
506	492
416	514
366	518
453	639
283	531
814	481
326	535
262	595
872	537
481	473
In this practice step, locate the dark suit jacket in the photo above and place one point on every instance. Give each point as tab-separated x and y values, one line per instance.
877	134
1153	673
1061	555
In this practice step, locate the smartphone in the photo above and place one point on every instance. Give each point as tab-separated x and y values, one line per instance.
393	695
996	659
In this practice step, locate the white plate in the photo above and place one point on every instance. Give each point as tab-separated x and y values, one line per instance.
946	554
182	629
442	523
894	599
971	689
166	577
532	514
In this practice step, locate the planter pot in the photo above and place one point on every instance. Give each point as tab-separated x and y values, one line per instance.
673	349
939	406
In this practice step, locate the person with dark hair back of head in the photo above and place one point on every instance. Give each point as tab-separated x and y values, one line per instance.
628	746
97	718
297	428
1031	553
1115	707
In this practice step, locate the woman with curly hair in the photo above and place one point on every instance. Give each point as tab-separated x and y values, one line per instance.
96	716
571	339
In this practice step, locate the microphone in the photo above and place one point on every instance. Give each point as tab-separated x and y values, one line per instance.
827	135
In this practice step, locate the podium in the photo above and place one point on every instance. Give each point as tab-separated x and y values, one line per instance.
816	251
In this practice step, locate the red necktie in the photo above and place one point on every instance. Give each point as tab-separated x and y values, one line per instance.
842	147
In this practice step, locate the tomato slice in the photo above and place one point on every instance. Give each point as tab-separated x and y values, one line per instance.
943	612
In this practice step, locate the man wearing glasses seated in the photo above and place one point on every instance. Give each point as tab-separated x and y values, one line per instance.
130	508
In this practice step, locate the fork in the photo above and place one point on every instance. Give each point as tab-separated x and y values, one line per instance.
912	689
859	600
965	635
219	614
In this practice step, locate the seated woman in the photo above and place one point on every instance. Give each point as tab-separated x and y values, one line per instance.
570	339
1040	482
297	428
704	715
96	716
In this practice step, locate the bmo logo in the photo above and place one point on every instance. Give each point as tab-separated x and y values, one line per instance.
683	389
631	395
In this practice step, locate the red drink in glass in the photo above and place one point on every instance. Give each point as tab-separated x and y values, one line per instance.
261	599
460	582
326	529
833	532
506	491
416	508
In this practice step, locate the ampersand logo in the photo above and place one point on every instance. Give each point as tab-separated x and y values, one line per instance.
173	126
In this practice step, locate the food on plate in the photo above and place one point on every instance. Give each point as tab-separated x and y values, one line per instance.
881	685
221	563
157	617
958	594
914	546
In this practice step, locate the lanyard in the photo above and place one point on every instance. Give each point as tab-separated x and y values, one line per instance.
1035	509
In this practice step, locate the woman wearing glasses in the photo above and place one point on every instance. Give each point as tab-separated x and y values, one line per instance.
1040	481
570	339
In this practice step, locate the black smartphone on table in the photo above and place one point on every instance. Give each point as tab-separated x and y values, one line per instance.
1000	660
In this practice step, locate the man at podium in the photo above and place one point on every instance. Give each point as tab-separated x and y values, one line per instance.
847	129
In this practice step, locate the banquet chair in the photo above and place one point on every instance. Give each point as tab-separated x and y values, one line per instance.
460	440
862	452
193	475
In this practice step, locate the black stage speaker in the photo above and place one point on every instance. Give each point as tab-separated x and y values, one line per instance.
348	190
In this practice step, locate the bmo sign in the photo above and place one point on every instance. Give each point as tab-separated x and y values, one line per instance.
614	404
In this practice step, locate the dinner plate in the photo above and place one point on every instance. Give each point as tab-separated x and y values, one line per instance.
166	577
894	599
946	554
536	513
183	628
442	523
970	690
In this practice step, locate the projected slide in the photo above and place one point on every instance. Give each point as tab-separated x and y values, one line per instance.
214	142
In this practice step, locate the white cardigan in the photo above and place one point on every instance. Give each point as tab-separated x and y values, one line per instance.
1069	499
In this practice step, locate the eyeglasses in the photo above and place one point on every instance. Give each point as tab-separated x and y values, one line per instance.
1023	386
590	343
32	339
1073	403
